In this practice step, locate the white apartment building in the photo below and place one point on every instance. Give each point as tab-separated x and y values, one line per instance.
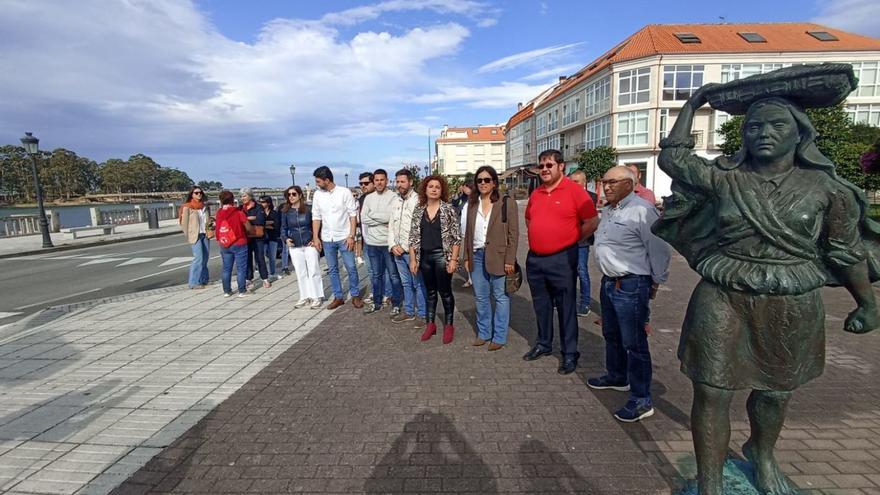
630	96
462	150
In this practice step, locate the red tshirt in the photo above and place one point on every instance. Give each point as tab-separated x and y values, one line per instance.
555	218
236	220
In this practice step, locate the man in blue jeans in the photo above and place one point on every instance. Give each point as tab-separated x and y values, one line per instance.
375	215
583	308
414	294
334	215
634	262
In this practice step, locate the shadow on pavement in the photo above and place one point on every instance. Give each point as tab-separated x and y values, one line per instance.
560	475
431	444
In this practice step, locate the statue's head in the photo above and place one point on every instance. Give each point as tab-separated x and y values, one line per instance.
775	127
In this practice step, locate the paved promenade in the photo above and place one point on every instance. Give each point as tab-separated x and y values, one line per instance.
192	393
32	244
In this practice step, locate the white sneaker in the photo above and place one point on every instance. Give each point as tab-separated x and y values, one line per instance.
242	294
317	303
227	294
301	303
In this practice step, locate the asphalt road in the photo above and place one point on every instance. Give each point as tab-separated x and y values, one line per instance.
32	283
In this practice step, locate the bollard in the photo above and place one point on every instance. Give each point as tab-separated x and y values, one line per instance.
152	218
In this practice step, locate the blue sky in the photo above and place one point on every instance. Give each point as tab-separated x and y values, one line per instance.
236	91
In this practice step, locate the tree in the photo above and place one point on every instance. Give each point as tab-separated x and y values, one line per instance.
838	139
596	161
210	185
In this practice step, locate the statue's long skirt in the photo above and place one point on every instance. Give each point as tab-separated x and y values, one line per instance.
737	340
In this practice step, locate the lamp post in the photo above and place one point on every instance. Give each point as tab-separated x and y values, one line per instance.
346	180
293	174
32	147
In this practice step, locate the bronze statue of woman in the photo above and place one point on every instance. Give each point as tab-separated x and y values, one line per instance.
766	229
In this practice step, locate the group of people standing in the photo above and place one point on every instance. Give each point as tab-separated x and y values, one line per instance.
413	239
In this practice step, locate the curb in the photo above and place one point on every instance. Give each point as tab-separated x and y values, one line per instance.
101	242
52	313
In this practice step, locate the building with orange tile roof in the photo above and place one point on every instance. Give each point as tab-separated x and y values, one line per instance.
629	97
462	150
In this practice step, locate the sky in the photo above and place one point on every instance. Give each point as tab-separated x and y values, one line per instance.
237	91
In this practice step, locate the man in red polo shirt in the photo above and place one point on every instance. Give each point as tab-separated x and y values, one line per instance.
559	214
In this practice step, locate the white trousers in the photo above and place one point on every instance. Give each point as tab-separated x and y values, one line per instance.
306	263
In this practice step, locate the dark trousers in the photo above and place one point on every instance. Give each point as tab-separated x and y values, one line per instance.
553	283
432	264
256	251
624	314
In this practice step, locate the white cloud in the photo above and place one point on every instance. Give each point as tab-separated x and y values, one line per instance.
504	95
481	11
543	55
552	72
859	16
155	76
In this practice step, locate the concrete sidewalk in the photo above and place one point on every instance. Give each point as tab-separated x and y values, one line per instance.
190	392
32	244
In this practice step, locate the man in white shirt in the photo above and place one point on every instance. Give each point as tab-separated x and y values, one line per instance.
375	215
334	220
398	241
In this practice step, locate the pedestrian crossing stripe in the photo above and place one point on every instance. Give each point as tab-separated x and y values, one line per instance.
178	260
135	261
6	314
101	261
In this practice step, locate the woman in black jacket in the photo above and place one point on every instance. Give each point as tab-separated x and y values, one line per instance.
256	242
272	235
296	232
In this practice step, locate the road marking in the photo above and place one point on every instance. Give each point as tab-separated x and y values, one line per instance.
101	260
177	260
160	248
165	271
93	257
135	261
68	296
4	314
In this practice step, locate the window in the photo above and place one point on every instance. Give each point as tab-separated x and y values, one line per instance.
552	120
541	126
497	165
475	130
494	131
698	137
461	165
680	81
479	149
752	37
663	124
571	111
497	149
554	142
460	150
732	72
634	86
598	98
822	35
687	38
869	78
598	133
632	128
479	163
542	145
864	114
720	118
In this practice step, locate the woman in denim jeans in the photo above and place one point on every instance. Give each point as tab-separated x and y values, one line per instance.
256	245
194	221
272	235
236	254
490	227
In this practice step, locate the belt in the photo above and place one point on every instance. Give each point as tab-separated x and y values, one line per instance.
617	280
532	253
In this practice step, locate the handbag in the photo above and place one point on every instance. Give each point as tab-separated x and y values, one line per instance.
514	281
256	231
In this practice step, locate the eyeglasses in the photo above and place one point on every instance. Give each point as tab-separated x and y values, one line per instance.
542	166
366	183
485	180
614	182
197	192
293	194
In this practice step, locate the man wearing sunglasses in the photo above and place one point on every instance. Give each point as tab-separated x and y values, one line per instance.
559	214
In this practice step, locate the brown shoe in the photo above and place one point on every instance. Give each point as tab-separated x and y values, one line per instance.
335	303
357	302
478	342
494	347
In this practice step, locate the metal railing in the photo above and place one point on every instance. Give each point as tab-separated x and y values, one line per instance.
137	214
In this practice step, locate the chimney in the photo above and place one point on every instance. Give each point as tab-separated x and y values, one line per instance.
519	106
561	79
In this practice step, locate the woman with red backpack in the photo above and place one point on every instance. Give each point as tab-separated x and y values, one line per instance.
232	226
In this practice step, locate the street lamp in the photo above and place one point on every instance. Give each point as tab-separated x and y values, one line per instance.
32	147
293	174
346	179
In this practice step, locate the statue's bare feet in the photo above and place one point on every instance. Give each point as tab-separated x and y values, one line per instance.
768	477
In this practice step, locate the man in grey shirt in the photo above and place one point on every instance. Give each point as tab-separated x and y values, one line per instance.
634	262
376	214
